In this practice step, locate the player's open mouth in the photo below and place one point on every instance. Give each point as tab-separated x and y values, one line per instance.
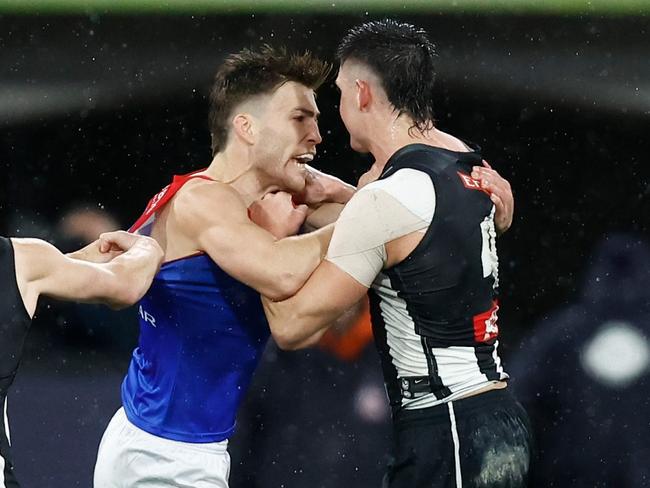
303	158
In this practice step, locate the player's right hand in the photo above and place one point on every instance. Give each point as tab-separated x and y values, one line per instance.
277	213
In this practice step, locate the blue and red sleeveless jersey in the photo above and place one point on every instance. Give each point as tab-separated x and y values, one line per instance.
201	336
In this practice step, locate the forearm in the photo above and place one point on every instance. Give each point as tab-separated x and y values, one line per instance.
294	260
333	189
296	338
291	327
343	193
133	273
340	326
328	294
325	214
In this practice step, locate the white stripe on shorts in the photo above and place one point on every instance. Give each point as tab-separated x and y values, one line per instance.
454	435
7	422
2	460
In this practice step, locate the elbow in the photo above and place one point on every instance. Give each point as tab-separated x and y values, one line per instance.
287	333
294	343
123	297
284	288
134	291
126	290
132	297
287	341
283	344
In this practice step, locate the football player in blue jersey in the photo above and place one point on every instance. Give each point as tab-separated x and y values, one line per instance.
202	326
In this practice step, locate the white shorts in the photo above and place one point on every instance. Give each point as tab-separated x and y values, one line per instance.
130	457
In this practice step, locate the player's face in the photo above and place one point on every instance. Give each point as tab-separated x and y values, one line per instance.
288	135
349	109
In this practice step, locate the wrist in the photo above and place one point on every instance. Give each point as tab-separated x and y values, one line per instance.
341	193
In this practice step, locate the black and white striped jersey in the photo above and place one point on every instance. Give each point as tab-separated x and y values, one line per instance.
435	314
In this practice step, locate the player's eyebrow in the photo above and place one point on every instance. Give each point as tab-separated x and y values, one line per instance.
307	112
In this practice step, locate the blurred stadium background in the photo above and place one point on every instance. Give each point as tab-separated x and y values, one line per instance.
102	101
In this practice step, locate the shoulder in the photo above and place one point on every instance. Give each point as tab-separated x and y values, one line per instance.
400	181
201	202
412	188
200	191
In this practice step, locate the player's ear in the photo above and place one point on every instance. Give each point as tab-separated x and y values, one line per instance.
243	127
364	94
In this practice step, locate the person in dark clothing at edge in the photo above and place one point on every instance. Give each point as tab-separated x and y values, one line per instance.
421	236
116	270
584	376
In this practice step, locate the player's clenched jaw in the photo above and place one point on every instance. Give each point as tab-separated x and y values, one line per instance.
287	135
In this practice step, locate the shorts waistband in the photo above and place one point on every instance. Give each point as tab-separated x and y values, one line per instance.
462	406
209	447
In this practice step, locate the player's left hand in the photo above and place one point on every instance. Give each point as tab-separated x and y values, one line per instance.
500	193
321	187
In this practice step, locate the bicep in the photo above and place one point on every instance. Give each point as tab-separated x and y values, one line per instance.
247	252
215	219
371	219
243	250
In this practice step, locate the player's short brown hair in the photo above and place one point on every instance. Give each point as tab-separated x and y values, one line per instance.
255	72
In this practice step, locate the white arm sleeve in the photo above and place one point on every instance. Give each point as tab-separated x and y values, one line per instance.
379	213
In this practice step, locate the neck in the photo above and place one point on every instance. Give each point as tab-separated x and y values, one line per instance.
395	133
236	168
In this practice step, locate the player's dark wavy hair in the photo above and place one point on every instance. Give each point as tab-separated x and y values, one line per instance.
255	72
402	56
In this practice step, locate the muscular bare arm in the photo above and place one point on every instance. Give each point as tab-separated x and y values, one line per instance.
326	195
215	216
324	215
41	269
301	320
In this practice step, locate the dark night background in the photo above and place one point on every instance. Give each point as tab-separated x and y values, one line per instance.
104	109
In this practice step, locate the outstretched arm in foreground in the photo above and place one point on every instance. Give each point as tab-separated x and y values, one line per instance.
41	269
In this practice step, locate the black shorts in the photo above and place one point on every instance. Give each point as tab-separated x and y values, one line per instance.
7	475
477	442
